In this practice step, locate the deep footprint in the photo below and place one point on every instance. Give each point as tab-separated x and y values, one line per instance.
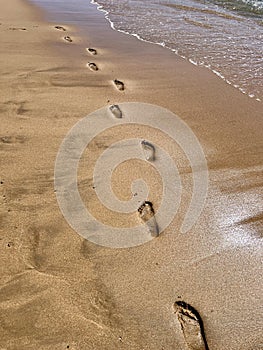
60	28
148	150
192	326
92	51
68	38
119	84
116	111
146	214
92	66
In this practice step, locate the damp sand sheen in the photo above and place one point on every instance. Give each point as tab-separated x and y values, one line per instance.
60	291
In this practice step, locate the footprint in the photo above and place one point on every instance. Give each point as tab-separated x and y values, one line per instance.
119	84
92	66
17	28
192	326
116	111
149	150
91	51
18	107
12	139
60	28
146	214
68	38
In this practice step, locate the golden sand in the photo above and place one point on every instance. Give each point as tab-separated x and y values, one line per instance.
58	290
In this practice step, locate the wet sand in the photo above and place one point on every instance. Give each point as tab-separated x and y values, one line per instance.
59	291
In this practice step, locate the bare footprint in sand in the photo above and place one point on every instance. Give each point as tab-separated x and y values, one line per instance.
92	66
146	214
17	28
68	38
116	111
119	84
148	150
60	28
91	51
191	325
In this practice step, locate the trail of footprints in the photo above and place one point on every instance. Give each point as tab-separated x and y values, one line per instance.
91	65
145	211
189	319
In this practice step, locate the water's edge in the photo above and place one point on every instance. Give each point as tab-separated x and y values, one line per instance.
218	74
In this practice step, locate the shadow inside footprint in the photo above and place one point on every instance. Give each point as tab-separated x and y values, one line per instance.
148	150
92	66
116	111
17	28
119	84
60	28
191	325
68	38
147	216
92	51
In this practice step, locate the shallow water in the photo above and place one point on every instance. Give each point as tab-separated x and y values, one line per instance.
224	36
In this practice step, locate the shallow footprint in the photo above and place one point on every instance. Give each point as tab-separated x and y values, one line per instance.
192	326
119	84
17	28
92	66
91	51
116	111
68	38
60	28
148	150
146	214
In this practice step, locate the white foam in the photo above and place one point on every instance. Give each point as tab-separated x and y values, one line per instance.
258	4
220	75
193	62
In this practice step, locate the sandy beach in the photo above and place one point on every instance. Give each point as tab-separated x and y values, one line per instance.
60	291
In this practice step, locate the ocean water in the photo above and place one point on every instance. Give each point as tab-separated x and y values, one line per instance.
223	36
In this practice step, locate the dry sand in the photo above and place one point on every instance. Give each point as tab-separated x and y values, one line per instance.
59	291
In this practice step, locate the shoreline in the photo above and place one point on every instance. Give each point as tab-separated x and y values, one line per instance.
196	85
58	289
218	74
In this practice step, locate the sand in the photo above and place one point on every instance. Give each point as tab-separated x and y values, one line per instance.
58	290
